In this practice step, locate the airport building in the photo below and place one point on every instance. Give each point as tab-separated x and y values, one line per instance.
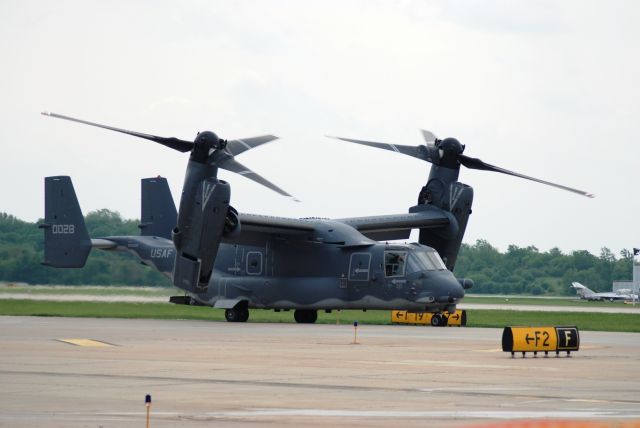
622	285
629	285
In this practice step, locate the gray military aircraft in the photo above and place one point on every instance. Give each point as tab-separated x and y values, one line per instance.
234	261
612	296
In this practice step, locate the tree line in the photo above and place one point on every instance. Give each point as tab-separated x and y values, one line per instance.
519	270
22	251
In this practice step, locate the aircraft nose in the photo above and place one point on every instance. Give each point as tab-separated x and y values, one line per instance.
452	292
457	291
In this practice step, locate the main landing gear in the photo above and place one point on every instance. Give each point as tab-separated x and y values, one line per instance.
305	316
237	314
241	314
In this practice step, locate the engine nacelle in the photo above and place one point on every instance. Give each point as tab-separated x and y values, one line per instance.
201	225
231	223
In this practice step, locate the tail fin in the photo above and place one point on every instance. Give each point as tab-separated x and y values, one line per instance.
582	290
66	239
159	215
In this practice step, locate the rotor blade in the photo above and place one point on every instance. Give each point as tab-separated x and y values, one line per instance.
235	147
475	163
429	137
235	166
172	142
419	152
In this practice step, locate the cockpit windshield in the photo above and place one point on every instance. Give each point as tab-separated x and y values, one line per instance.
425	260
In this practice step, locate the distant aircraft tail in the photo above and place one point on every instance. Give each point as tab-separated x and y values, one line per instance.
158	212
66	239
582	290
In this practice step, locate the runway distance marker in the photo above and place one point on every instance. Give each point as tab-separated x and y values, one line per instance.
540	339
88	343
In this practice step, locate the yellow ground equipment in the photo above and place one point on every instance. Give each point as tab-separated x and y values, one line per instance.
458	318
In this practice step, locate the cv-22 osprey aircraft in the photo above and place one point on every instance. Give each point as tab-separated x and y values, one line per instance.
236	262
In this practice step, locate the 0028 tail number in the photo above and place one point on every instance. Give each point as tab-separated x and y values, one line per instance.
63	229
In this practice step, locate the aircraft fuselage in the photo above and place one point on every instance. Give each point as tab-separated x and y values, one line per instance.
299	275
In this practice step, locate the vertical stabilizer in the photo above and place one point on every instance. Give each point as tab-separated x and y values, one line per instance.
66	240
158	214
583	291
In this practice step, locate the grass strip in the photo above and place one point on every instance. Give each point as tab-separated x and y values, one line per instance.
476	318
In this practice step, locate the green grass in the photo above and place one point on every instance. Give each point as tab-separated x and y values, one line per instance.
93	290
583	320
476	318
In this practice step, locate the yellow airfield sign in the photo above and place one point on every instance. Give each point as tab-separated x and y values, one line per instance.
458	318
540	339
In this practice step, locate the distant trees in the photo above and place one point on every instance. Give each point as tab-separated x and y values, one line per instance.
525	270
22	246
519	270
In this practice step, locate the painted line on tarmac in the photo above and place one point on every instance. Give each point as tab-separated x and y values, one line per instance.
87	343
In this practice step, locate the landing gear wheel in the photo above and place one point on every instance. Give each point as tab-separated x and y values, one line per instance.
305	316
231	315
437	320
237	315
244	315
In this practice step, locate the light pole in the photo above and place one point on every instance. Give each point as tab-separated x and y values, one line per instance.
634	292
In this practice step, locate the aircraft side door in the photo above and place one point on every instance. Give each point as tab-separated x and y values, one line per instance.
359	274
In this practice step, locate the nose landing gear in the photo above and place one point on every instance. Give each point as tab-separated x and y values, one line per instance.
438	320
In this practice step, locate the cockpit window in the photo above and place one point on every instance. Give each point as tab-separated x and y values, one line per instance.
425	260
435	258
394	262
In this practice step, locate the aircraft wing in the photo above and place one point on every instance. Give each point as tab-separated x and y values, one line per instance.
257	229
397	226
253	223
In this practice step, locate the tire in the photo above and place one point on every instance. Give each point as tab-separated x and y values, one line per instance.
232	315
305	316
237	314
436	320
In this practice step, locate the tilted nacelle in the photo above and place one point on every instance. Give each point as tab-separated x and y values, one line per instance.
202	224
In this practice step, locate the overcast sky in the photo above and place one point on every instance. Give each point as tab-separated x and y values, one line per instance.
545	88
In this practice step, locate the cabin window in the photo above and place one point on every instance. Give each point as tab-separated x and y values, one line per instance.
254	263
359	266
394	262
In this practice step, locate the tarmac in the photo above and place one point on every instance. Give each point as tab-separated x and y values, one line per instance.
72	372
